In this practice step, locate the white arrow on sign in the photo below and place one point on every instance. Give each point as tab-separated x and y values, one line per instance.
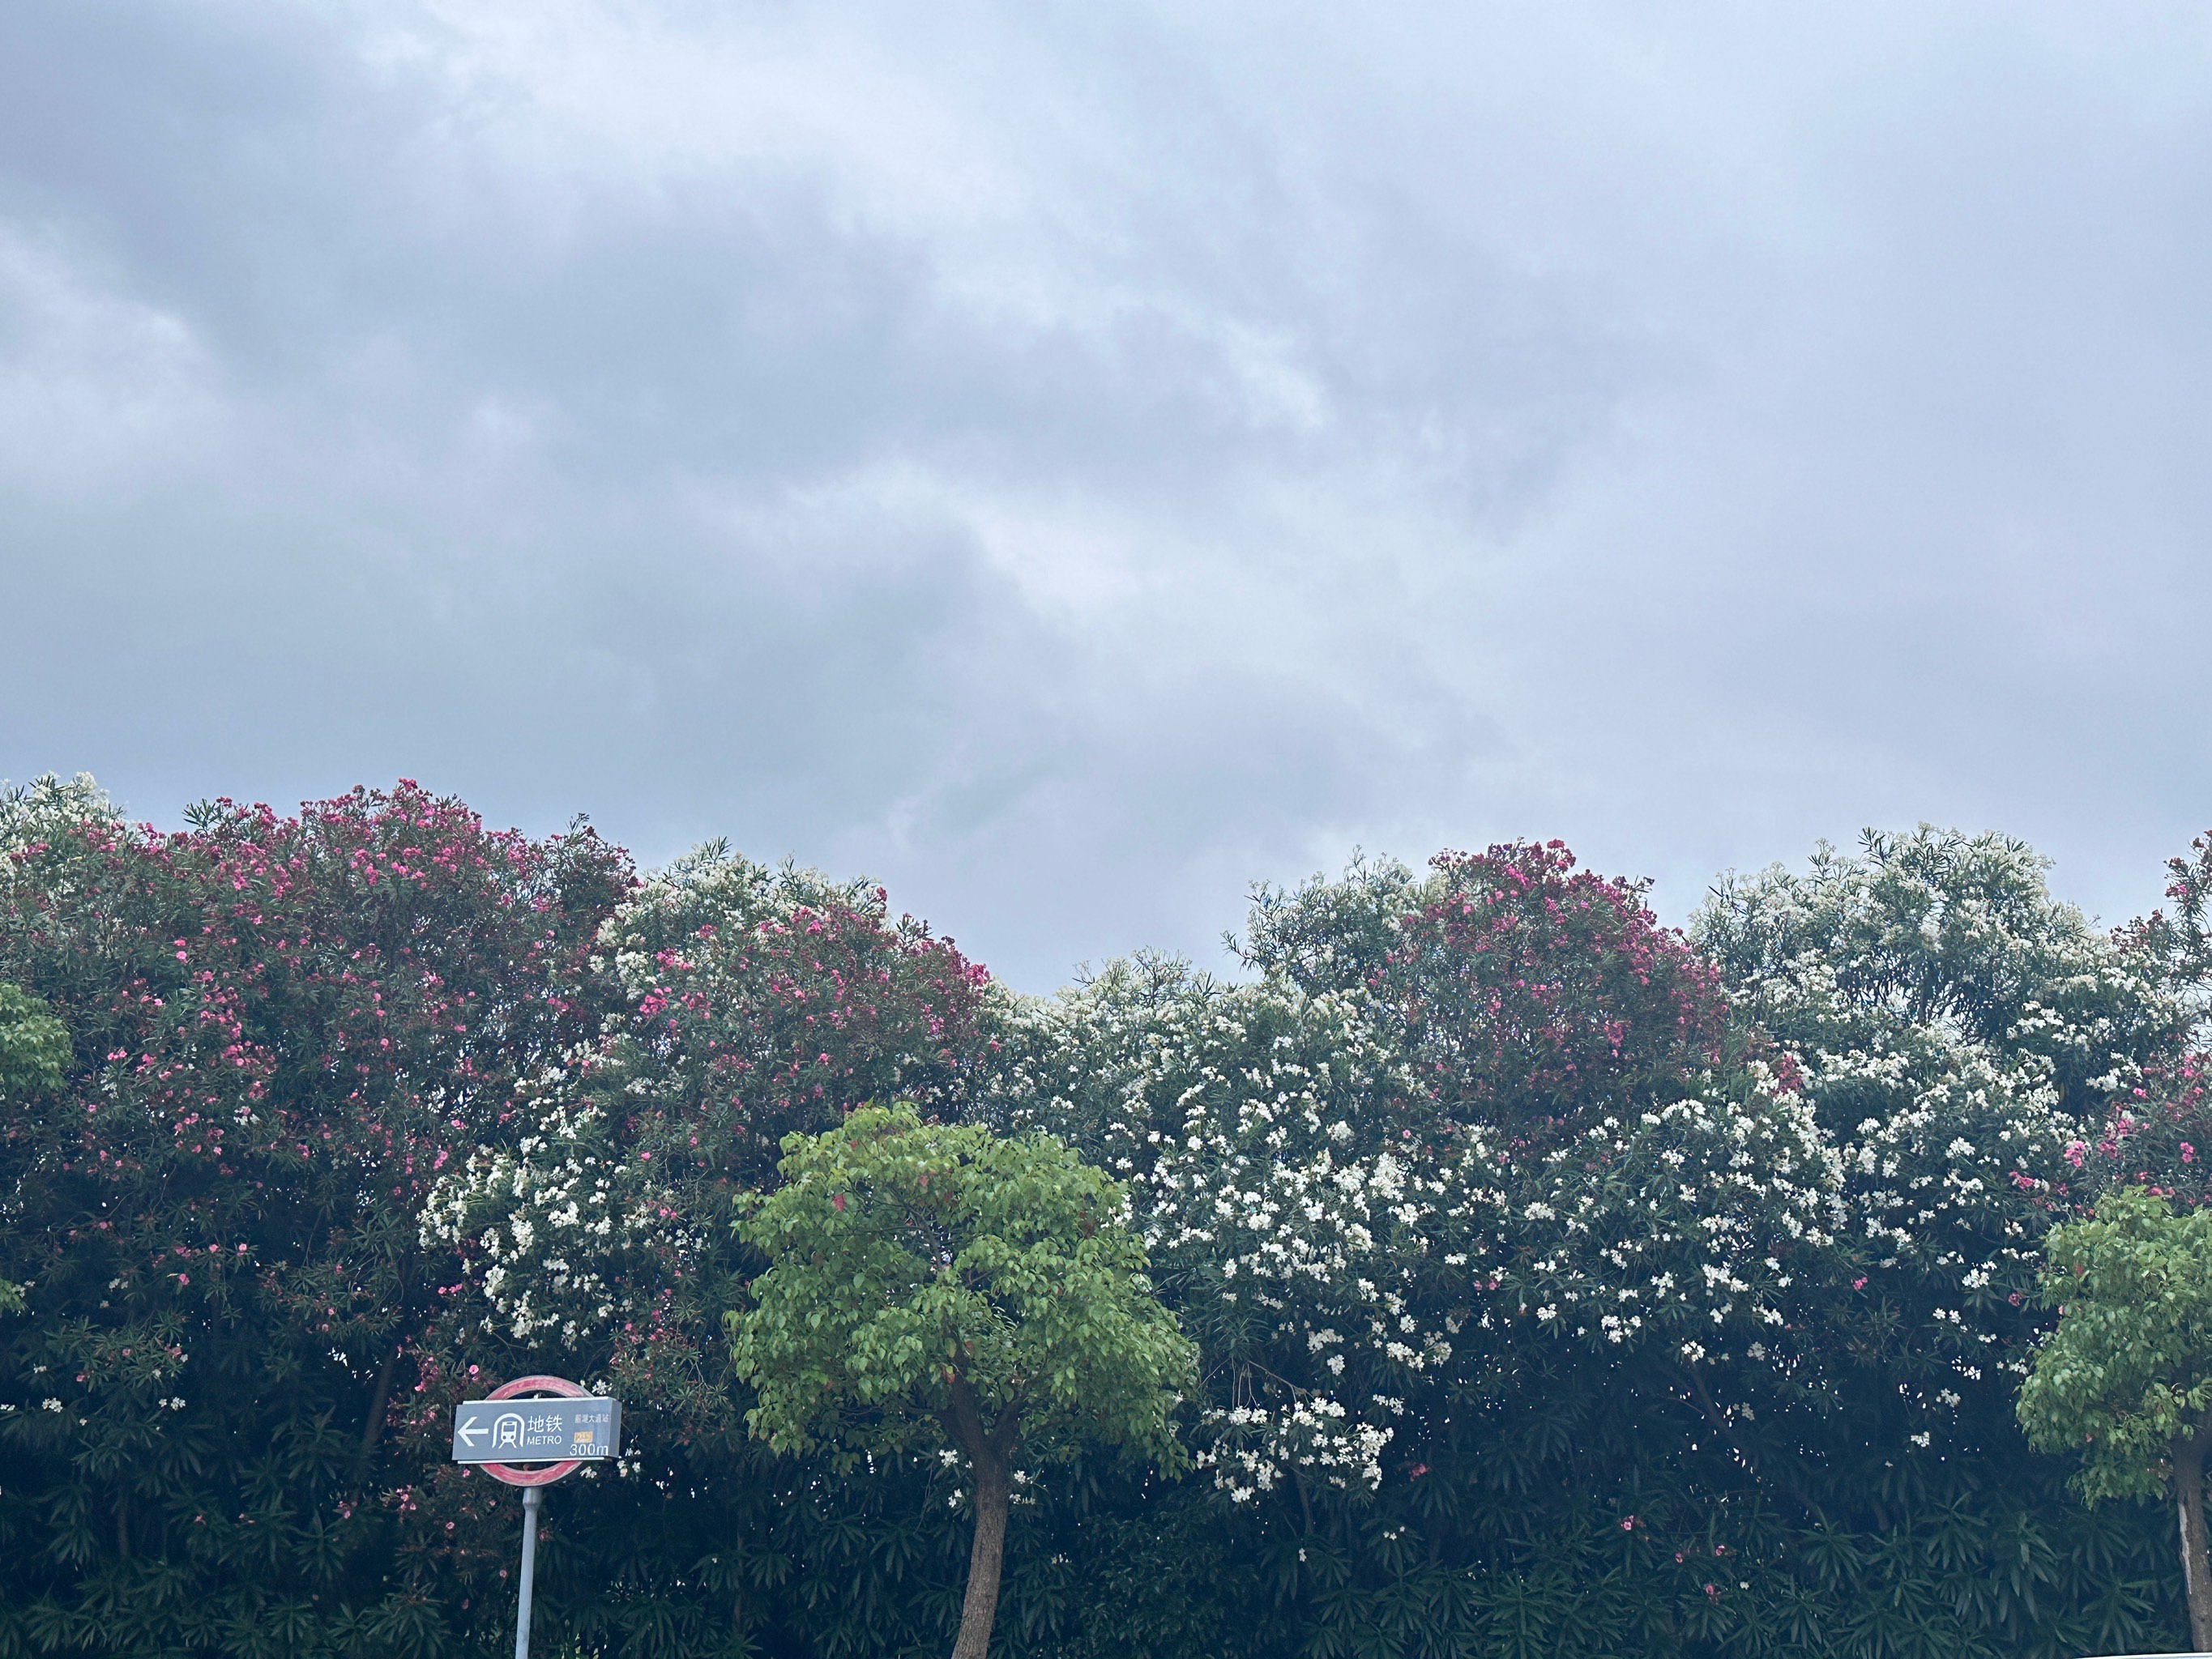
470	1433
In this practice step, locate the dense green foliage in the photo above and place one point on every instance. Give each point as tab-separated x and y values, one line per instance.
1558	1282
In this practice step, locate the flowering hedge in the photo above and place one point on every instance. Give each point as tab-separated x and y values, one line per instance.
1562	1282
740	1004
282	1030
1496	1203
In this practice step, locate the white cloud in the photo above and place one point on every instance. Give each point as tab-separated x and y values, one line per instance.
1069	462
99	391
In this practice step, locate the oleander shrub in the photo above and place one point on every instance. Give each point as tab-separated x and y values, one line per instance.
280	1029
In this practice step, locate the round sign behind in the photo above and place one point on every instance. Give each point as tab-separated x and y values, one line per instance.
545	1475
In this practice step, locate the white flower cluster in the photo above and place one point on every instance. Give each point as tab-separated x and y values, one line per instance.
1963	1035
1936	1171
1693	1220
1331	1257
573	1229
1311	1430
554	1232
1229	1111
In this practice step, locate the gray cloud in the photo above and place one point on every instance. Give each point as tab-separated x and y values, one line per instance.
1068	463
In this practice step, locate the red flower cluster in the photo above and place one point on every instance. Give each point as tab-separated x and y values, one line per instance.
1539	996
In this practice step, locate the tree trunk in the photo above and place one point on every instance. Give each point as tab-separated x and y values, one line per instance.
993	1491
2188	1454
374	1428
990	1449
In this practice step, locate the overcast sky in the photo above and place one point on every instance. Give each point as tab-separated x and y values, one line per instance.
1069	460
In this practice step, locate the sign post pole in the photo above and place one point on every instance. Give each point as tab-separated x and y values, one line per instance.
534	1499
530	1433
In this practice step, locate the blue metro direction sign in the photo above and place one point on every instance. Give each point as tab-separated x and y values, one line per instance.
536	1430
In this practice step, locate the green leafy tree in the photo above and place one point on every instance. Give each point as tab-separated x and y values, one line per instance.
2126	1379
937	1284
34	1046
